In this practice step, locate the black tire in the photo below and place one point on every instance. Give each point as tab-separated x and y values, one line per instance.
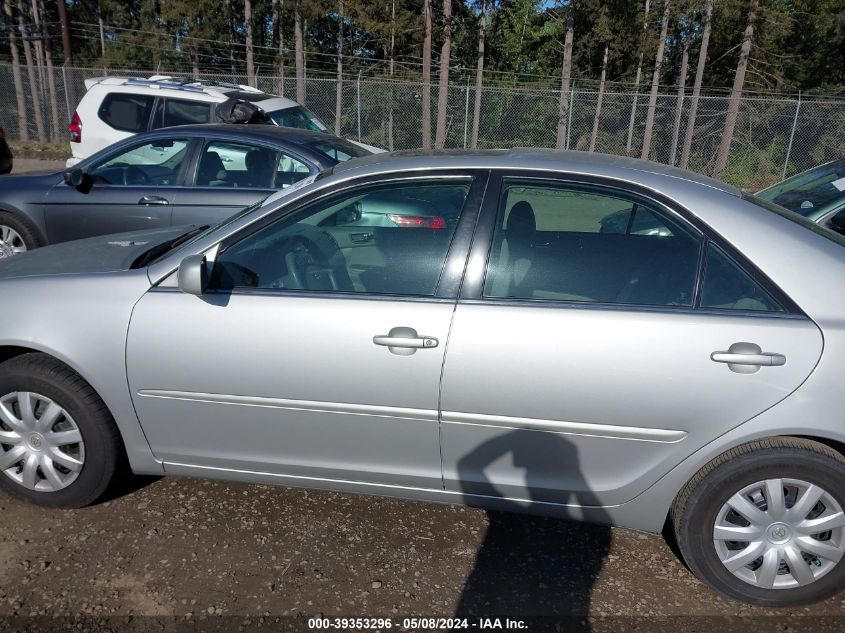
28	234
49	377
696	507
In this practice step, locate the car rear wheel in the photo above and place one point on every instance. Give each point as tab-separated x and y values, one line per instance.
16	236
764	522
59	445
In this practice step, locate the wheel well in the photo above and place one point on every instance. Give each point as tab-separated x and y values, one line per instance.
40	237
7	352
668	530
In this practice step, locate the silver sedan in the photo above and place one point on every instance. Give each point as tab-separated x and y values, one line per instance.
498	343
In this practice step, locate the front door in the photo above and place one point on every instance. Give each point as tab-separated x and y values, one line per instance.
296	364
132	189
587	363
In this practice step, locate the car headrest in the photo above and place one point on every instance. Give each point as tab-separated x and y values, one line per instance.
211	168
521	224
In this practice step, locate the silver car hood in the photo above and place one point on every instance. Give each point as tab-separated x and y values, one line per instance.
102	254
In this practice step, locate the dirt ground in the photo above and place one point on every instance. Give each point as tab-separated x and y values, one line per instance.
177	547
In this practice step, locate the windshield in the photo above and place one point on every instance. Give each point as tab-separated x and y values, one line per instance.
811	193
298	117
340	150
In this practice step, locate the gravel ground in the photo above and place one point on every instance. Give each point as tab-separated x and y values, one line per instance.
180	547
177	547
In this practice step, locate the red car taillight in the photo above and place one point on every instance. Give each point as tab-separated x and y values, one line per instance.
419	221
75	129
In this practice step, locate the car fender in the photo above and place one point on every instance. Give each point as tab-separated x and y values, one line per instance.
83	322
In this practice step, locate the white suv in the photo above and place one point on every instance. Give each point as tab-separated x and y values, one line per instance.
115	108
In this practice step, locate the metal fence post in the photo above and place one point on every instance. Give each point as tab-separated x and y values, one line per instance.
569	116
358	98
791	136
466	112
67	91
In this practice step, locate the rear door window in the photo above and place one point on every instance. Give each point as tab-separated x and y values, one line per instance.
241	165
126	112
170	112
570	243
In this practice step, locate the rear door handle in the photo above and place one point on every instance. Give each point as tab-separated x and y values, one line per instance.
747	358
147	200
404	341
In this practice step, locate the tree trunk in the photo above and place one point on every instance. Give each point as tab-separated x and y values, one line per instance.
250	60
679	104
443	91
479	76
102	35
736	92
23	129
231	16
338	104
57	125
195	65
426	87
696	88
35	105
599	100
300	52
637	83
67	61
391	65
566	77
37	44
279	45
655	82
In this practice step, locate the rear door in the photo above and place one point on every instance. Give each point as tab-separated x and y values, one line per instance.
133	188
599	339
231	175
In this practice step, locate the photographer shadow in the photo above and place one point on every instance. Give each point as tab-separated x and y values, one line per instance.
527	565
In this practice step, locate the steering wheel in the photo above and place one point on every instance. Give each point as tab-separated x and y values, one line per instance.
134	175
303	254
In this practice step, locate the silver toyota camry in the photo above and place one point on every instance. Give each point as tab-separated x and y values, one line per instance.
492	329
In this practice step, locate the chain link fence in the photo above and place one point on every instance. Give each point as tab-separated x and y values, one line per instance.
774	136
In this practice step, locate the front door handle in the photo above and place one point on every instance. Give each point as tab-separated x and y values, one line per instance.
404	341
747	358
147	200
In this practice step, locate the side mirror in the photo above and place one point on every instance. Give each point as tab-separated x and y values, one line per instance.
193	275
78	179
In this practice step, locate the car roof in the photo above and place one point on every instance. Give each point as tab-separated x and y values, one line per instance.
592	163
185	87
244	131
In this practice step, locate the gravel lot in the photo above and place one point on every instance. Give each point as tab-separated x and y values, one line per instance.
172	547
178	547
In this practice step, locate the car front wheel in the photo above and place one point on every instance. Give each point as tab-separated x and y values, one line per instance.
59	445
764	522
16	236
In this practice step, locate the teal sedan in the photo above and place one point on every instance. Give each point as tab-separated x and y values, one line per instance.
818	194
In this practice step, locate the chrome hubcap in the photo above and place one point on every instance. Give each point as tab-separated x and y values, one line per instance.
11	243
41	447
780	533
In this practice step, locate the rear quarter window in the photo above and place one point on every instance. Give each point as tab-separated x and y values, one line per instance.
126	112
